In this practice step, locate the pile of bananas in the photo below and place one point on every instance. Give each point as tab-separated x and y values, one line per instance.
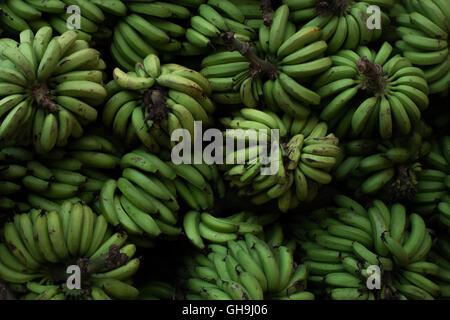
423	29
323	145
39	245
50	88
245	270
344	23
147	105
343	244
368	93
304	157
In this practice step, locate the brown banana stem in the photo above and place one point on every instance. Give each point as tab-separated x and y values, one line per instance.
373	73
266	8
258	65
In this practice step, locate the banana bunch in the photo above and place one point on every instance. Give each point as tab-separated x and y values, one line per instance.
50	88
303	157
341	243
94	16
219	16
143	201
198	185
12	169
275	72
274	235
254	13
444	210
344	24
440	256
150	27
433	186
434	181
387	167
20	15
198	226
153	101
92	151
47	187
156	290
368	92
247	269
77	172
439	156
433	199
17	16
423	29
39	245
